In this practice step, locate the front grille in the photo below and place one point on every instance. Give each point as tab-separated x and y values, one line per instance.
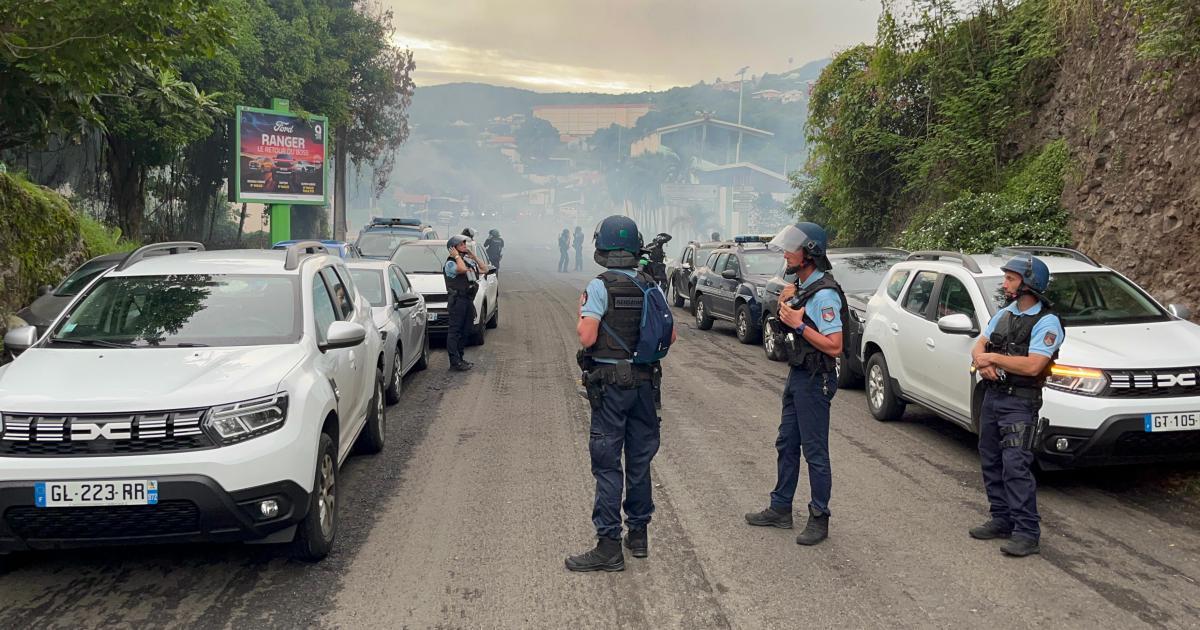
95	523
84	435
1136	443
1164	383
436	298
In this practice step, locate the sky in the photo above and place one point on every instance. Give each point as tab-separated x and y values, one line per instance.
621	45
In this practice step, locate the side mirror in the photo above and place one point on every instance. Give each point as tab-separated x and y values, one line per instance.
20	339
45	289
491	272
409	300
729	274
957	324
343	335
1180	311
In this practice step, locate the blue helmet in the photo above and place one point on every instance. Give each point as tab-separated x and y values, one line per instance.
618	233
804	236
1034	273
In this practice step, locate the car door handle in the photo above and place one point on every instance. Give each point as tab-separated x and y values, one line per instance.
929	343
895	328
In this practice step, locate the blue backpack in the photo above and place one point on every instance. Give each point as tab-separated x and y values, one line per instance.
656	328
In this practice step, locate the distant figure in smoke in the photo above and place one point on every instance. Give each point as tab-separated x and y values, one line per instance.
716	236
578	248
564	246
494	246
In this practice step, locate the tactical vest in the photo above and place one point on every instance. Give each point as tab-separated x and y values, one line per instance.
803	354
1012	337
622	316
462	282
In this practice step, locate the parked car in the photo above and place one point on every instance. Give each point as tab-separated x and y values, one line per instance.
400	316
859	270
1126	385
380	238
731	286
680	284
195	396
342	249
424	262
52	300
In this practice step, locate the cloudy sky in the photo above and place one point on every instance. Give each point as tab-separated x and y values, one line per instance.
621	45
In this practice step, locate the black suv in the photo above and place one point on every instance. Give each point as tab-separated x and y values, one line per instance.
732	286
681	284
383	235
859	270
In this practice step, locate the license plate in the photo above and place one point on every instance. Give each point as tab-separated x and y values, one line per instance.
95	493
433	317
1183	421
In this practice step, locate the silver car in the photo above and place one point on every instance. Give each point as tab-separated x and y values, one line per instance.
400	316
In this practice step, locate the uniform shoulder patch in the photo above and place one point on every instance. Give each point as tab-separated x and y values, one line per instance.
1049	339
828	313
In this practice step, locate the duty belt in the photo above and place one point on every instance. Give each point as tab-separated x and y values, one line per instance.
622	374
1028	393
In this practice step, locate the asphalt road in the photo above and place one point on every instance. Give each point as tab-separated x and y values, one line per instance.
484	487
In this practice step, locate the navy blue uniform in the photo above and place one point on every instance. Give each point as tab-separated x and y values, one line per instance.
461	309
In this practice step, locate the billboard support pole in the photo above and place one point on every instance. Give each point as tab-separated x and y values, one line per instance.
281	214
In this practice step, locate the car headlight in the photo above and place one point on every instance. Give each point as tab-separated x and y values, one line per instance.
244	420
1077	380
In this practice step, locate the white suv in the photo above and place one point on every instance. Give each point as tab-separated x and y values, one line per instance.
1126	385
196	396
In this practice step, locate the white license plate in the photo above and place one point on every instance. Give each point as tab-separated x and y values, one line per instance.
433	317
1182	421
95	493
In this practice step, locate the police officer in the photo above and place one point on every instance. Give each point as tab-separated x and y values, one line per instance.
811	313
621	396
578	238
462	271
716	236
1014	356
494	246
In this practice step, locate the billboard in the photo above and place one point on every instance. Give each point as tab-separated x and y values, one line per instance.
280	158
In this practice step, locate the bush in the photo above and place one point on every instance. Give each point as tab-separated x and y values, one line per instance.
99	239
980	222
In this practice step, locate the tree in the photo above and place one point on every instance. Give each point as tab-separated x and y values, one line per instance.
536	139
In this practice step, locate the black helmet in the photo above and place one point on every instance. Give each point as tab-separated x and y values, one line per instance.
468	232
618	242
494	233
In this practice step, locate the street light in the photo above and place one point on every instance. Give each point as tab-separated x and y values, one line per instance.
741	84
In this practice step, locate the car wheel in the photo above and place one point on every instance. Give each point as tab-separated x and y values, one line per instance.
396	384
846	377
477	334
316	533
703	321
773	341
423	362
673	295
370	441
747	332
494	321
881	398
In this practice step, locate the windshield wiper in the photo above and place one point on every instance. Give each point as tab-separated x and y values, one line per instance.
181	345
98	343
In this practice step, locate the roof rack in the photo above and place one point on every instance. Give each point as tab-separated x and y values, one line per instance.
299	249
966	260
1046	249
171	247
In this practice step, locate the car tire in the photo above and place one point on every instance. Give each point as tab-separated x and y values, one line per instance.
703	320
674	296
773	341
371	440
847	378
478	333
423	361
396	381
316	533
494	320
747	331
881	396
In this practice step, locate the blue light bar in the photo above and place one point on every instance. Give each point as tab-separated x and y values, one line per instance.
753	238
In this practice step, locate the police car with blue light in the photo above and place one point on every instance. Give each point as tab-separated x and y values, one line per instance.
731	286
1124	389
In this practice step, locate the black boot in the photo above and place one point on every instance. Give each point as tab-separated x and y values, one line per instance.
994	528
1020	547
816	530
607	556
638	543
770	518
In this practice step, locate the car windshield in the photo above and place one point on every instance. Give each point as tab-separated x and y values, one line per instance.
82	276
702	256
1087	298
381	244
184	310
370	284
761	263
420	259
862	273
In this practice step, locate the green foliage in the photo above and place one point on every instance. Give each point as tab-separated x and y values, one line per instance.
99	239
536	139
1169	29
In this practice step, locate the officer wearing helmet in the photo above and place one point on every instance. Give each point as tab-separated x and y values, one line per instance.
462	272
620	388
494	246
1014	356
811	313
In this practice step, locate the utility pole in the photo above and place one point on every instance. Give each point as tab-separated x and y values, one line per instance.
737	156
